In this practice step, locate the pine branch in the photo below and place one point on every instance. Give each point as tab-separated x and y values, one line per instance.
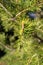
36	36
30	60
6	47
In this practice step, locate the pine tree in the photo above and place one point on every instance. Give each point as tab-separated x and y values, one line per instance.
21	32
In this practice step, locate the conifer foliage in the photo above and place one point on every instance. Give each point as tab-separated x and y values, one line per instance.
21	32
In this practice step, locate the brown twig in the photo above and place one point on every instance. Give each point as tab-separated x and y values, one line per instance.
14	18
6	47
6	10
